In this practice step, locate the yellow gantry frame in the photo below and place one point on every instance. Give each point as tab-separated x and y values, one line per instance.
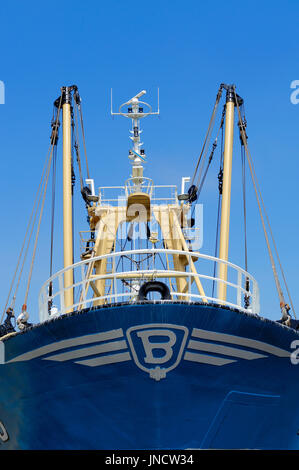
172	234
101	266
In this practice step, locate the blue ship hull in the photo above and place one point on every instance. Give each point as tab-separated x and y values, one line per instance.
150	376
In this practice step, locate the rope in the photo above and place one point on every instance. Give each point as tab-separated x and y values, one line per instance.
201	183
261	206
210	127
244	207
77	148
218	210
41	211
37	198
83	137
52	219
247	282
53	209
23	245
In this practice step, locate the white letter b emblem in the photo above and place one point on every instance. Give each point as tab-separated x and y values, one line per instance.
150	346
155	345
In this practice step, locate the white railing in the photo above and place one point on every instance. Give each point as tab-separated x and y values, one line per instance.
117	195
127	270
139	184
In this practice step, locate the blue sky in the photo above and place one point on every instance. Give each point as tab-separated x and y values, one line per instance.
186	49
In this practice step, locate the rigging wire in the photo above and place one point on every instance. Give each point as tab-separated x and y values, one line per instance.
243	170
39	202
53	208
201	183
78	102
244	206
77	146
208	135
52	160
220	183
283	305
42	208
34	212
36	202
50	302
73	182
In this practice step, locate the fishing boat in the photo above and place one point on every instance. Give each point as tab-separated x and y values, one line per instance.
146	342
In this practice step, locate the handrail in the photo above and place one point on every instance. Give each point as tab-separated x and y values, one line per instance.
145	185
138	275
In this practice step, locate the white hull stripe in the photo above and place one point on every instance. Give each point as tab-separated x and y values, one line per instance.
225	350
67	343
111	346
205	359
83	352
103	360
251	343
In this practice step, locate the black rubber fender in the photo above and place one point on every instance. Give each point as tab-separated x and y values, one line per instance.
154	286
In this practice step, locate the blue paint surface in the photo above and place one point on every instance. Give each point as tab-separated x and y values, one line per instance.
152	396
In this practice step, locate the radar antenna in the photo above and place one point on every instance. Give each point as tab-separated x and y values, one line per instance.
136	110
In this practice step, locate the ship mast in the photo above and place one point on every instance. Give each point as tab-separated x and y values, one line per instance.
67	197
136	155
226	191
231	97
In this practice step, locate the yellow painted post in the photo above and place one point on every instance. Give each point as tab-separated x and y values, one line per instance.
226	192
67	200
